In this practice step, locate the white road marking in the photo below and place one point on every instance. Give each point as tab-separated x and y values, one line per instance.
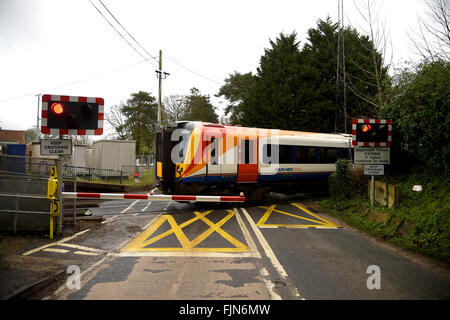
75	246
146	207
129	207
265	245
268	250
56	250
248	238
55	243
87	253
109	219
269	284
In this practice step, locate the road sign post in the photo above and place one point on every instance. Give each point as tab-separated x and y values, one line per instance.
372	139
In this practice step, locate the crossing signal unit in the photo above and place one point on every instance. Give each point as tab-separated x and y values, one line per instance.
52	184
72	115
372	132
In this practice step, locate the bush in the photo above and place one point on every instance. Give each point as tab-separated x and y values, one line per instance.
419	108
346	182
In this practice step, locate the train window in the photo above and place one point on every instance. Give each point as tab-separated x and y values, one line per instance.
245	152
285	154
328	155
305	154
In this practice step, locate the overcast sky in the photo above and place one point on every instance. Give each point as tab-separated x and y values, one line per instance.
65	46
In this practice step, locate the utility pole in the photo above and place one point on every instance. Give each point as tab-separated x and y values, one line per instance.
159	87
160	74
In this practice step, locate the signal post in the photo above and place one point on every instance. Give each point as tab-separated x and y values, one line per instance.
372	139
67	115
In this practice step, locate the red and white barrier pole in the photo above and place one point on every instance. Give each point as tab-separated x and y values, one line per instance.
154	197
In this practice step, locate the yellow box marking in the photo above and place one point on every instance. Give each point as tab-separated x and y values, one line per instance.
144	240
320	222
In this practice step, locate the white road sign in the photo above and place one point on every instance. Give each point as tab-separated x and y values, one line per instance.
372	156
56	147
374	170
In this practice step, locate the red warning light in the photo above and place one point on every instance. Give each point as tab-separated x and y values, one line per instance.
366	128
57	108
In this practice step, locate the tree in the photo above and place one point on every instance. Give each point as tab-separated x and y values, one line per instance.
363	85
30	135
433	38
419	107
140	112
117	120
199	107
174	107
377	67
235	90
274	99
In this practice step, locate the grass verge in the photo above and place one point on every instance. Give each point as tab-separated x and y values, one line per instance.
420	222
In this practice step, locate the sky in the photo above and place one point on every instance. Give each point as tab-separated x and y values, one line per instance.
65	47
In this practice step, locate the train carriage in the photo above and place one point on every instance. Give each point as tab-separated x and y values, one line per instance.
213	159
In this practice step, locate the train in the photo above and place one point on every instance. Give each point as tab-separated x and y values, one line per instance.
200	158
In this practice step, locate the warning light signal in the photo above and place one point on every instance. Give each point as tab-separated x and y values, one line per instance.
72	115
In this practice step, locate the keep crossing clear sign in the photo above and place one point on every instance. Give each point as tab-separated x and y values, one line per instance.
374	170
56	147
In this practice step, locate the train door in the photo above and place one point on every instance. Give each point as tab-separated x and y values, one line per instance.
248	160
212	160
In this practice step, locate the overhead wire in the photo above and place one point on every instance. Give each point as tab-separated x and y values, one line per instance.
112	15
168	57
75	82
117	31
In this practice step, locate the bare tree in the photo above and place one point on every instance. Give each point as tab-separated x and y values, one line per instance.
432	41
174	106
375	28
117	120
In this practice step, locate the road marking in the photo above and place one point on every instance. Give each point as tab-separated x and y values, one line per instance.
319	221
268	250
109	219
55	243
87	253
145	239
269	284
326	222
128	208
146	207
75	246
56	250
265	245
248	237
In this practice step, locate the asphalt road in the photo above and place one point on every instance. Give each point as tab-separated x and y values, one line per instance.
284	250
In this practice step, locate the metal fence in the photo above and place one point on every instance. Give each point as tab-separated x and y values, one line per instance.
26	165
22	165
93	174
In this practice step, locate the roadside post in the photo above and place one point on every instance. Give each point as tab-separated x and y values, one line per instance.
372	139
